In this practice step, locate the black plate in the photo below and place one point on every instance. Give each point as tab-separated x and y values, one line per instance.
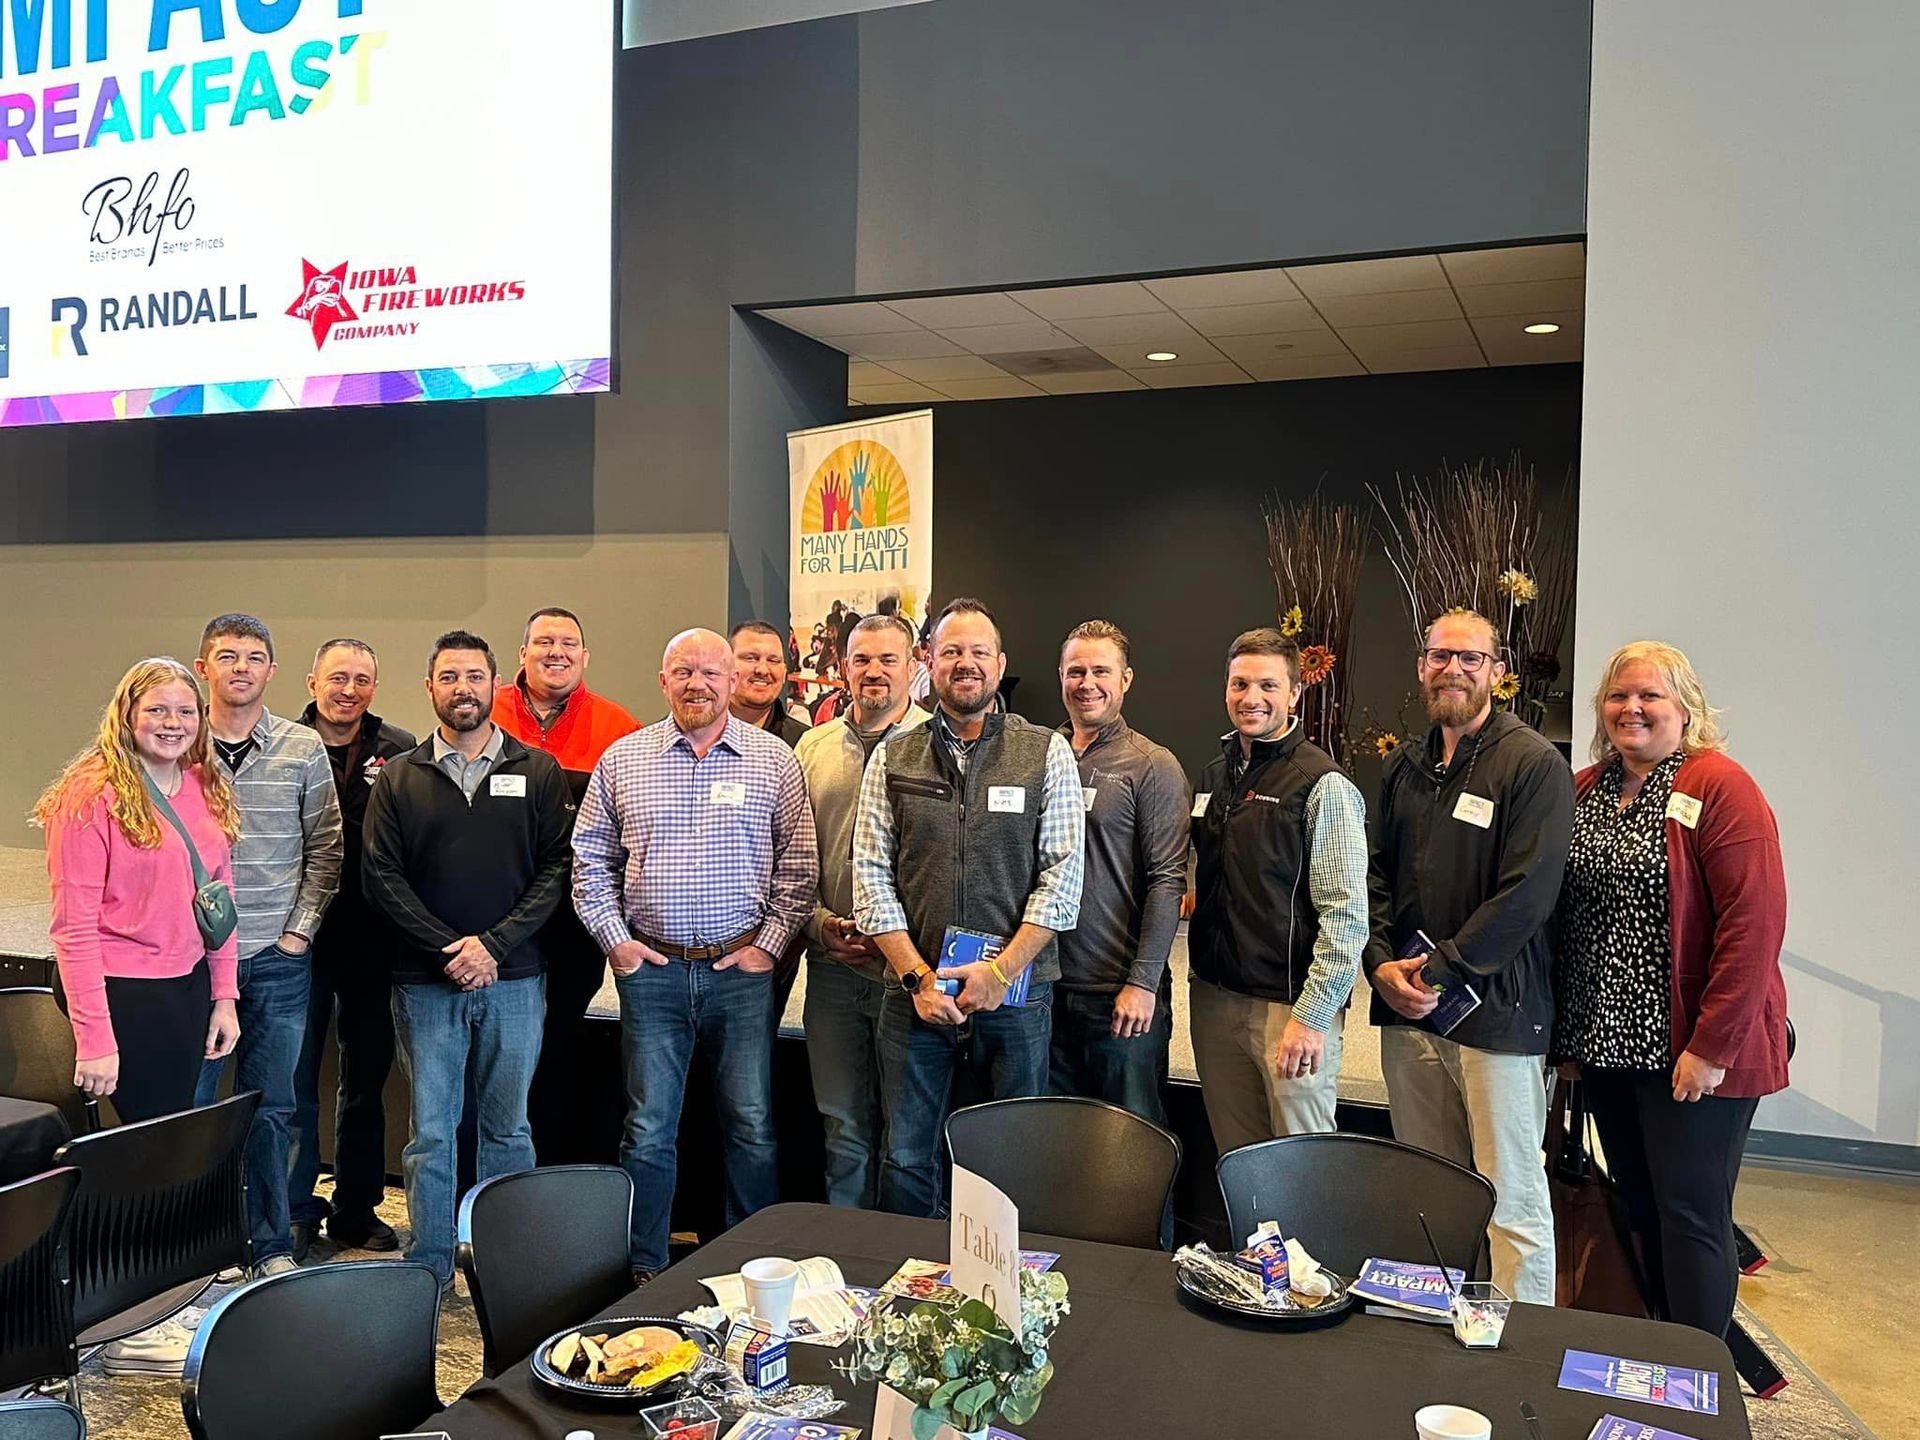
621	1394
1335	1306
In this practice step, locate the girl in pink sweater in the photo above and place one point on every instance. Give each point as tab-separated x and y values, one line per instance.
147	1002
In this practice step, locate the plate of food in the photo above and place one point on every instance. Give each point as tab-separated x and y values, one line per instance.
632	1358
1216	1282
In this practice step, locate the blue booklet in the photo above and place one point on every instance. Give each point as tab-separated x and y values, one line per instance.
1407	1288
1677	1388
967	947
1457	1001
1612	1427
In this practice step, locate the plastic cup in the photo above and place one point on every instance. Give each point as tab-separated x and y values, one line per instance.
1480	1314
770	1286
689	1418
1451	1422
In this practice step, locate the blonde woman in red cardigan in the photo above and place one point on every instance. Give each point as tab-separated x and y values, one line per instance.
1667	984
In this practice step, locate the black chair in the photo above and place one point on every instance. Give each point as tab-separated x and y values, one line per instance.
1081	1169
36	1291
162	1209
41	1420
317	1354
37	1056
1348	1198
542	1250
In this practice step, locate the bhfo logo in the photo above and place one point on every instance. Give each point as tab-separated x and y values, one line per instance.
6	339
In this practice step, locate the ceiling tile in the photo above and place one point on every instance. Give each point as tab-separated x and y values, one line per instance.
898	345
1151	332
1004	389
892	394
1234	287
1305	367
1368	277
1266	319
1190	351
1075	302
1506	342
939	370
1366	341
945	312
1030	364
865	372
1290	345
1396	307
1087	381
1168	377
1524	296
996	339
1447	357
823	322
1517	262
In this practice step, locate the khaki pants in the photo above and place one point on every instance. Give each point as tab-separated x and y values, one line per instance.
1489	1112
1235	1041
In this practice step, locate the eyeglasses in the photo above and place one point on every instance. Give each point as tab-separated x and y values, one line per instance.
1470	660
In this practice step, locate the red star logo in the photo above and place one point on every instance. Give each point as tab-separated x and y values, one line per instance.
323	300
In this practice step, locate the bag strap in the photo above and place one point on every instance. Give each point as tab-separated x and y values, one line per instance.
200	876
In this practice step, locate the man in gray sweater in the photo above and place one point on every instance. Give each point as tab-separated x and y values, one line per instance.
1113	1005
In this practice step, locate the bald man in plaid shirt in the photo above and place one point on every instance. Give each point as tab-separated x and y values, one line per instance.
695	864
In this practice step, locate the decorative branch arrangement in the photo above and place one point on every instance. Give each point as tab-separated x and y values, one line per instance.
1315	550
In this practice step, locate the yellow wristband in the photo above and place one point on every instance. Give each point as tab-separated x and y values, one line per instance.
994	966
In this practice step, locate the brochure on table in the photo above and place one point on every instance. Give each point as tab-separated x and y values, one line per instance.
1613	1427
1675	1386
825	1308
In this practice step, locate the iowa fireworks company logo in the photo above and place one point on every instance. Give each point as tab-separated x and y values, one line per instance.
393	293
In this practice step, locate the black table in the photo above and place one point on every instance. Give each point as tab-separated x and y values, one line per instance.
29	1134
1135	1359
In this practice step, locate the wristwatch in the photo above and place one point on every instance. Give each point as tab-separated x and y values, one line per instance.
915	978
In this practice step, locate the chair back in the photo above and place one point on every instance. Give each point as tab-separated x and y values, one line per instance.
1080	1169
542	1250
36	1292
162	1209
37	1055
1348	1198
317	1354
41	1420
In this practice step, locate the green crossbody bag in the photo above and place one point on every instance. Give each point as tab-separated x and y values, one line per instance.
213	908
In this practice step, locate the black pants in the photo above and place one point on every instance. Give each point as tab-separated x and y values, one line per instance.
1676	1165
353	997
161	1027
575	972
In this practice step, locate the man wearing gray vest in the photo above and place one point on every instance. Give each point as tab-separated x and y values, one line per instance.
970	837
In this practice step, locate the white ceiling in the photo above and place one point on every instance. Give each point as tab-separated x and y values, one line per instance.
1462	310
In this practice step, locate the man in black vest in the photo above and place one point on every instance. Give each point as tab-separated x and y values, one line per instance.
1280	917
974	823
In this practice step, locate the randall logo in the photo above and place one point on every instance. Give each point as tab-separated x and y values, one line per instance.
323	300
6	338
160	310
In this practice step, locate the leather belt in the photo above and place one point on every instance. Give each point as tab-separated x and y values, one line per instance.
701	952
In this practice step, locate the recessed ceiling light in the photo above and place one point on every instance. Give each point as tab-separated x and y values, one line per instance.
1543	329
1162	355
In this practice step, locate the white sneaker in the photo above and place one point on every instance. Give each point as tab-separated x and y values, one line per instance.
273	1265
161	1350
232	1275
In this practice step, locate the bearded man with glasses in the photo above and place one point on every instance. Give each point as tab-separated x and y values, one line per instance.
1473	826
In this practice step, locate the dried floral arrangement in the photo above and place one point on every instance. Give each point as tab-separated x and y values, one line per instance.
1315	550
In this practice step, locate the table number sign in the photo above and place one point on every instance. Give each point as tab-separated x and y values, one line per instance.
986	1245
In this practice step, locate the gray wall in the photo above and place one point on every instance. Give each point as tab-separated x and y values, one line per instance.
1748	469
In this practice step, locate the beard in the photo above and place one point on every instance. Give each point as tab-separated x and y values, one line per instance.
451	717
693	712
1454	708
950	699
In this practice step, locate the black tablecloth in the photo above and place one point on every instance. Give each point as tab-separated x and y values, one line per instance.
29	1134
1135	1359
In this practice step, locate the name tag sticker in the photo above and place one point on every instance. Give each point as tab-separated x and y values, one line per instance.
1007	799
1684	808
1089	792
729	792
1200	804
1475	810
507	785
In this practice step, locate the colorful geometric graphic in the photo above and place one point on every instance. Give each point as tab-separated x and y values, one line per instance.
390	387
860	486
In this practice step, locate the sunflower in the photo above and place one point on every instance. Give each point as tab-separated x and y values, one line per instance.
1384	742
1292	622
1316	664
1506	687
1518	586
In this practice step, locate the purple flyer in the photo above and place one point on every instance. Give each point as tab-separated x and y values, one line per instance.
1643	1380
1612	1427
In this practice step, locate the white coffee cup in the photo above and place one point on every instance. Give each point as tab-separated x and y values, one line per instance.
770	1285
1451	1422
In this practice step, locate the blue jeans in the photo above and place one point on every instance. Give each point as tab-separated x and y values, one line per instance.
665	1010
843	1051
435	1028
1005	1051
1088	1061
273	1024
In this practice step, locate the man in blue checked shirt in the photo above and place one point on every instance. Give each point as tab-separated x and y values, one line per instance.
695	864
974	821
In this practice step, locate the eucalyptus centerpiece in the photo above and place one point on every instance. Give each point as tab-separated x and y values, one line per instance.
960	1364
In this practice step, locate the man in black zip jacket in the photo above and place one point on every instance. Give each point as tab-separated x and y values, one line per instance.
1469	846
468	855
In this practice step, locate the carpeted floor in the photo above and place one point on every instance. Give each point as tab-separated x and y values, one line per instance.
147	1408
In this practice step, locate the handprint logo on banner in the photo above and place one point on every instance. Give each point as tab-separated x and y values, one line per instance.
860	486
